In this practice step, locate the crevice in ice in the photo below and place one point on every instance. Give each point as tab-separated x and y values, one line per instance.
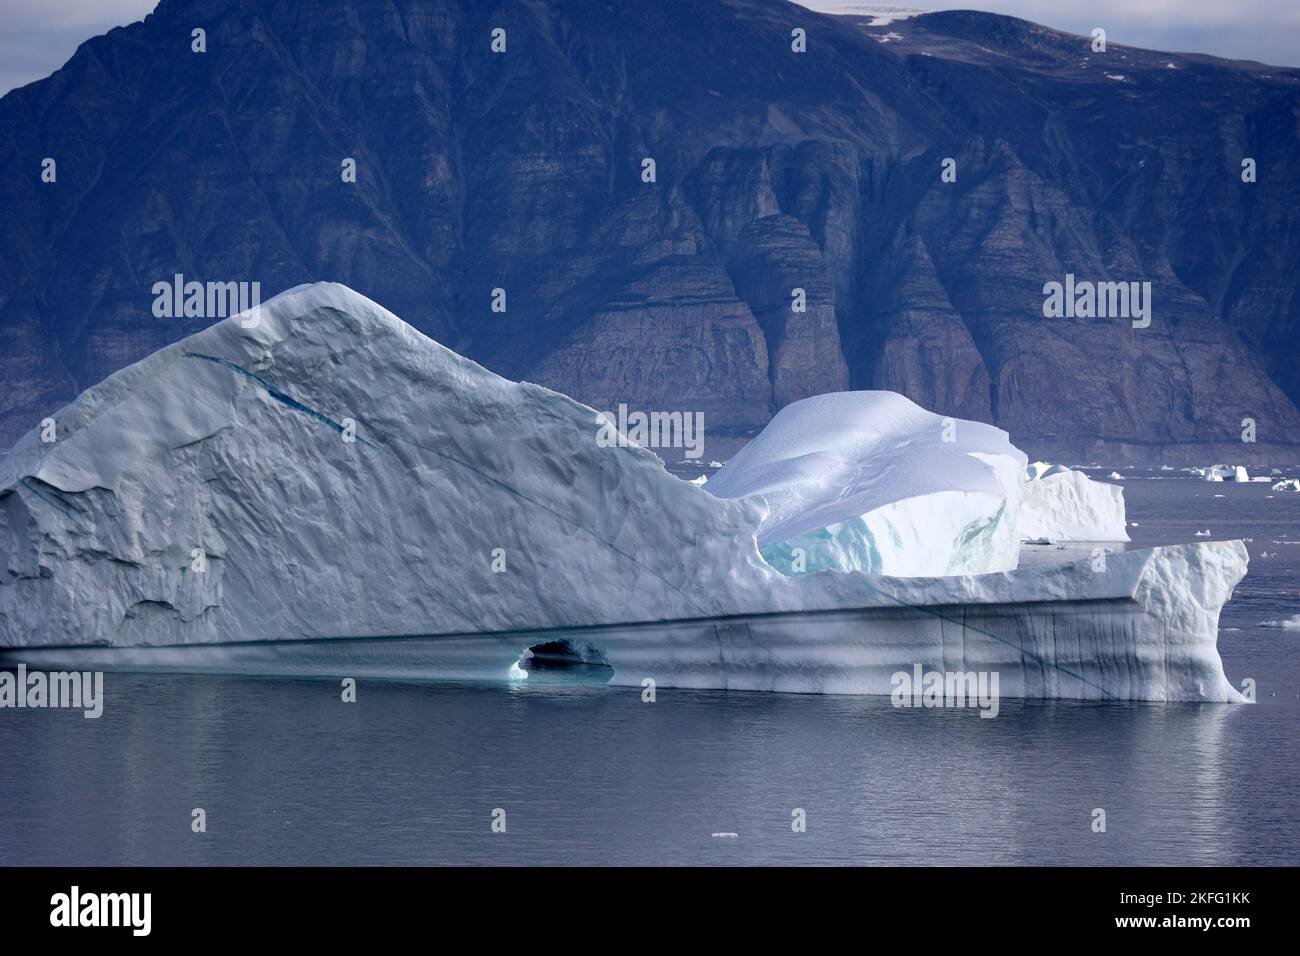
51	497
99	554
149	604
722	656
275	393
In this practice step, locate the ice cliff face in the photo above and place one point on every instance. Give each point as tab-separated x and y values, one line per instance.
227	451
869	481
1065	505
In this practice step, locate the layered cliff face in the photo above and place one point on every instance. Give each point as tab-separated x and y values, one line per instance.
774	171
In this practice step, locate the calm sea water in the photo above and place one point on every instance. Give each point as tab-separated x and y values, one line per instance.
587	774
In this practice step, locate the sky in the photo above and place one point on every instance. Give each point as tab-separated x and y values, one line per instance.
1263	30
38	36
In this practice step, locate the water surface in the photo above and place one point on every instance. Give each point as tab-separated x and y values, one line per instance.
411	773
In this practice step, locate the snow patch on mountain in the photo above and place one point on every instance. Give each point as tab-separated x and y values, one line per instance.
879	15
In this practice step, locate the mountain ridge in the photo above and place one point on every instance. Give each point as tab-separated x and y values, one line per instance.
776	170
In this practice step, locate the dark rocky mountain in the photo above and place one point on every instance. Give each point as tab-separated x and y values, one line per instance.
522	170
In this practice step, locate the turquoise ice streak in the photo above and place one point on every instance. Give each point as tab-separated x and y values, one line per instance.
275	393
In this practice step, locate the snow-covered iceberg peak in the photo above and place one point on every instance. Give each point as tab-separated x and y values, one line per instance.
870	481
330	471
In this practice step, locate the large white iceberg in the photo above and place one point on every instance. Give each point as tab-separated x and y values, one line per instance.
331	493
870	481
1061	504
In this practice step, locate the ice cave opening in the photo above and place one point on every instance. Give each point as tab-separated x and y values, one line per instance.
562	662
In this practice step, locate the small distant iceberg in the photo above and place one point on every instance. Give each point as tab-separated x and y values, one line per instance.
1287	484
326	492
1225	473
1290	623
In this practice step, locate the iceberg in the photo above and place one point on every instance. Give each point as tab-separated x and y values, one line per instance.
870	481
323	491
1290	623
1061	504
1226	473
